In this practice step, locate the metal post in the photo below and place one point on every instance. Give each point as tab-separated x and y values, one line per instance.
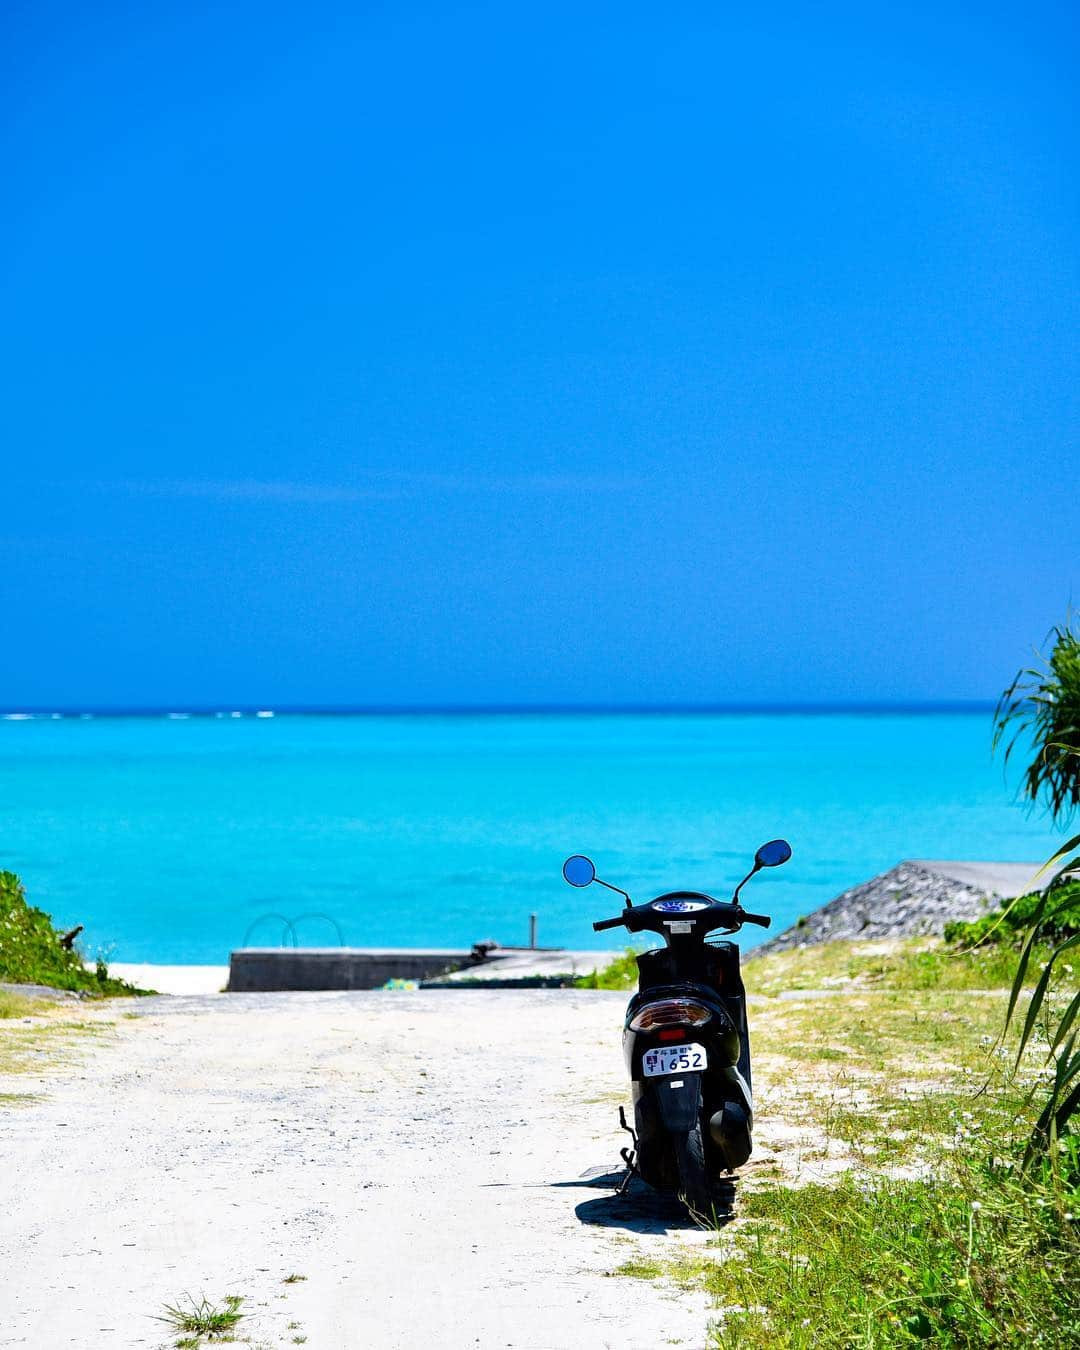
532	930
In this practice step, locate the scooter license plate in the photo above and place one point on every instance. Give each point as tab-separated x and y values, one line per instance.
673	1059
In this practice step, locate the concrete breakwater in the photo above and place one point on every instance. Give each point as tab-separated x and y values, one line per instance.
912	899
253	969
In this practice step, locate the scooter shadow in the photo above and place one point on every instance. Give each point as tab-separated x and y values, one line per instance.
640	1209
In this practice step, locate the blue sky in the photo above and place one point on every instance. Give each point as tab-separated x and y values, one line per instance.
403	354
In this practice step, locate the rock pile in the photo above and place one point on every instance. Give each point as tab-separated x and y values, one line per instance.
909	900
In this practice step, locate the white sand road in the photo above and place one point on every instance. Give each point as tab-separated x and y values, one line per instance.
416	1157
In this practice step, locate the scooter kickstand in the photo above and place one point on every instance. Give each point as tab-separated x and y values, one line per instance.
627	1155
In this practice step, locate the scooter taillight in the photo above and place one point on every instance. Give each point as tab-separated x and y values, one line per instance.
670	1012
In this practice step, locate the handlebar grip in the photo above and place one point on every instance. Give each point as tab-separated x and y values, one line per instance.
607	923
762	920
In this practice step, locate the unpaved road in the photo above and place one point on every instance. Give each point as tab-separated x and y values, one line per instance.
416	1157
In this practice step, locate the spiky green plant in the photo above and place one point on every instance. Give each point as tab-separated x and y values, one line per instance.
1045	706
1063	1099
201	1317
1042	708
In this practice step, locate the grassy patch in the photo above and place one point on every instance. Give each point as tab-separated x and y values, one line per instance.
972	1259
32	951
18	1098
17	1005
199	1317
908	964
888	1077
38	1041
873	1029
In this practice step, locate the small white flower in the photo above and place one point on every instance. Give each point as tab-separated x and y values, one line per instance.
976	1205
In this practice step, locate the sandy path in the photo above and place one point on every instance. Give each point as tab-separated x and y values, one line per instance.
415	1156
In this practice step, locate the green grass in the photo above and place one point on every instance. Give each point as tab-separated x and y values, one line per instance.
872	1029
17	1005
19	1098
887	1076
31	950
200	1317
972	1258
43	1040
904	964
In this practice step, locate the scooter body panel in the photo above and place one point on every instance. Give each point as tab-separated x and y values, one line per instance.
721	1093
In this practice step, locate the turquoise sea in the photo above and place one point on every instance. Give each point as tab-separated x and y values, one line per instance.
169	837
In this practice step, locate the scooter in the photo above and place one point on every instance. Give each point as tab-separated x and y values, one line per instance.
685	1038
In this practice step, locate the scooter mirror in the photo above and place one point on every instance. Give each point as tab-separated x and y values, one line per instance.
579	870
772	854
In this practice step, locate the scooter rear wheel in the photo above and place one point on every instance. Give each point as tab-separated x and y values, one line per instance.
694	1190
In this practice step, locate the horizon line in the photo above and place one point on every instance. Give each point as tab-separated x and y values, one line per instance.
226	710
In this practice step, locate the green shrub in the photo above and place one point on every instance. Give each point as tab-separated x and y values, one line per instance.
31	950
622	973
1012	924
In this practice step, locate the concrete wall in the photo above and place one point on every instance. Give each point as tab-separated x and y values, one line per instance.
255	969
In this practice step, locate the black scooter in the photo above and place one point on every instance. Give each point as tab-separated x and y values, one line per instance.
685	1038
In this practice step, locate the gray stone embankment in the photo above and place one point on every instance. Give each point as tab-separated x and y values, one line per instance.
912	899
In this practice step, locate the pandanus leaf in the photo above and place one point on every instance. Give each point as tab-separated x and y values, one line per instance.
1042	706
1062	1104
1039	994
1069	866
1022	964
1068	1017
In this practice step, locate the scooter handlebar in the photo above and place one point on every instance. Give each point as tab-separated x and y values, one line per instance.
635	923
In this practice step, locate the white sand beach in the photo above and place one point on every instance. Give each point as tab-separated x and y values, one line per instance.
172	979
